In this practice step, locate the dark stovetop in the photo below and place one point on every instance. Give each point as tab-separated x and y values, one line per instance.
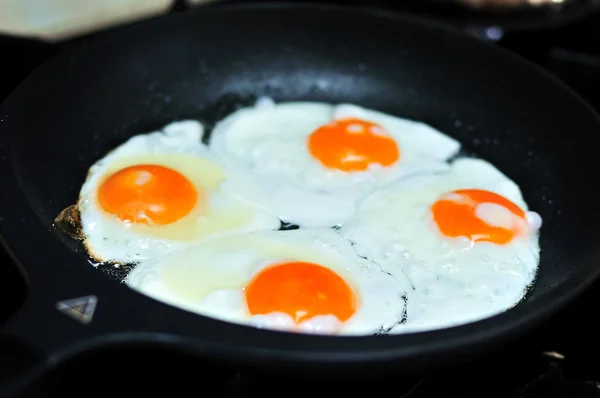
557	360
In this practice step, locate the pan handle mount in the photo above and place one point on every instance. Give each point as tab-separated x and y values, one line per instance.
40	335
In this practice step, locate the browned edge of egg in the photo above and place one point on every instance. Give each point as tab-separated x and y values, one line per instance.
68	222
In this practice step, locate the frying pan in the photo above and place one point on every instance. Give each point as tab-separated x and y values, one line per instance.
205	63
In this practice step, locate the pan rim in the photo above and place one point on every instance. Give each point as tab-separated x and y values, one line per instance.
331	349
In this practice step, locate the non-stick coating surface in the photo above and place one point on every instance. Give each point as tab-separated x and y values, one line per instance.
201	65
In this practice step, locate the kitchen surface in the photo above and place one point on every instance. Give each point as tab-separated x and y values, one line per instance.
558	359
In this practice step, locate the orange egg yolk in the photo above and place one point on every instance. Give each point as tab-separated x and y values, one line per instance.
147	194
352	145
302	290
455	215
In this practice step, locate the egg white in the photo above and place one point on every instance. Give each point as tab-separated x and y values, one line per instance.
178	146
449	282
267	145
209	279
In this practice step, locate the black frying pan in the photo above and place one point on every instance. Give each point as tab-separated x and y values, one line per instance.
203	64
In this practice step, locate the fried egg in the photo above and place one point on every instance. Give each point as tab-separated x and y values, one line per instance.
309	163
462	240
160	192
305	280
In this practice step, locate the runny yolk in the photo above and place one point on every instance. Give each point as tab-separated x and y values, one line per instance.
352	144
456	214
302	290
148	194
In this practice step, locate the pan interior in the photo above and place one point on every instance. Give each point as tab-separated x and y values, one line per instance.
84	103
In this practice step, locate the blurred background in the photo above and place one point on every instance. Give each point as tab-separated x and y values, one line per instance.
561	35
558	360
